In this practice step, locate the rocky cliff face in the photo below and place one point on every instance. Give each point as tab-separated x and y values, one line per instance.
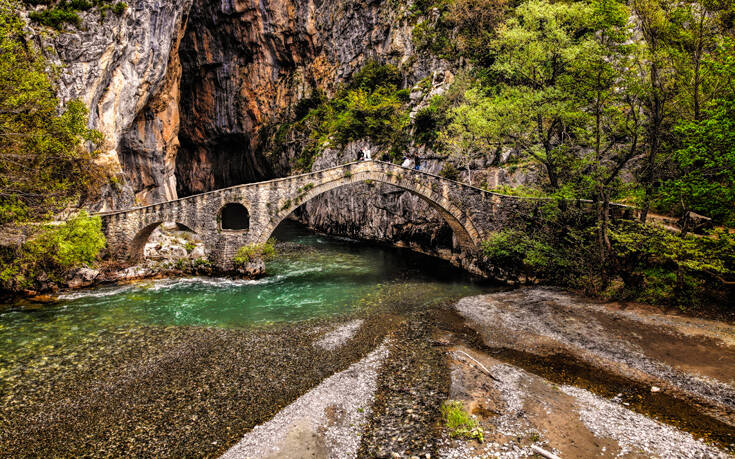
188	92
246	64
117	65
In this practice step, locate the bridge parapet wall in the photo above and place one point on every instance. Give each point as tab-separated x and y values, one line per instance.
472	213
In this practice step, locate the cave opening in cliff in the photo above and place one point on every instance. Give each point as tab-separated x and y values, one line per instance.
223	103
234	217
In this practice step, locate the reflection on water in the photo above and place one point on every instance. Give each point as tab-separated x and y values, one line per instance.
317	276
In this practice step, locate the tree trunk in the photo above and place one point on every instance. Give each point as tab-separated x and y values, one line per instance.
603	221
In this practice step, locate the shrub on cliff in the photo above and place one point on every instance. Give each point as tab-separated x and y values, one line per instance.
371	106
52	252
57	13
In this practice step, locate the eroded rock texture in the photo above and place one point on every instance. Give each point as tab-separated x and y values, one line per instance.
247	63
116	65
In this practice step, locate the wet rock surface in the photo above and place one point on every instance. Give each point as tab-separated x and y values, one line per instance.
520	412
675	368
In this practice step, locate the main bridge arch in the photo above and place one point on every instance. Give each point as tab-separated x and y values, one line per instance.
439	198
264	205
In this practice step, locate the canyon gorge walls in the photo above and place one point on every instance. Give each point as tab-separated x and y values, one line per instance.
189	94
247	64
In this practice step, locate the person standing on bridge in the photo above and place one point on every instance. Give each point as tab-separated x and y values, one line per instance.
367	154
417	159
406	162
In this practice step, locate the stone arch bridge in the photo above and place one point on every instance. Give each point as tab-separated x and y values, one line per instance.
229	218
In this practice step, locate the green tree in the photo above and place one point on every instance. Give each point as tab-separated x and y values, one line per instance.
705	182
535	108
472	131
52	252
46	154
607	89
656	21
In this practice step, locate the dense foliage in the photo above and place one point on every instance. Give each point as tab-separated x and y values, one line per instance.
372	107
47	164
57	13
645	263
626	101
51	253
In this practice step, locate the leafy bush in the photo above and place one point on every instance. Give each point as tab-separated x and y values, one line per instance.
643	263
374	75
46	162
426	123
60	12
371	106
706	162
56	17
516	253
54	251
661	267
201	263
253	252
449	171
459	422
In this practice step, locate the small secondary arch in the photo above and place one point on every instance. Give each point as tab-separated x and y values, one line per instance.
234	216
464	230
136	248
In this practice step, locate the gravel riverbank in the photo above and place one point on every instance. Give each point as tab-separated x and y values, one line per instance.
679	369
668	354
327	421
165	391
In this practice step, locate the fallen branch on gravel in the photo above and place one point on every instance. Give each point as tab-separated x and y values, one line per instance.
544	453
481	366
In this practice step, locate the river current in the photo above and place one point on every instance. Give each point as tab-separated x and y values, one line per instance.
314	276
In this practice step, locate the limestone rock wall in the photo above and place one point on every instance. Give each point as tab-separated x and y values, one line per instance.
116	65
246	64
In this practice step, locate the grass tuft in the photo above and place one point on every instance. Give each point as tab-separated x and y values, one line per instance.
459	422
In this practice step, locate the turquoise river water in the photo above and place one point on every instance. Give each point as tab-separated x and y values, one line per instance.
315	276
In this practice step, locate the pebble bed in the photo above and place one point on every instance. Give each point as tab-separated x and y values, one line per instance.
339	336
349	393
165	391
412	385
534	312
636	433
